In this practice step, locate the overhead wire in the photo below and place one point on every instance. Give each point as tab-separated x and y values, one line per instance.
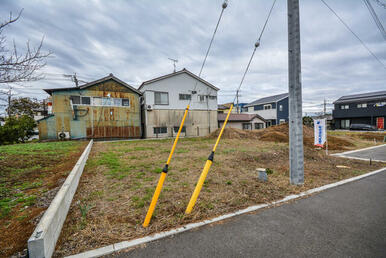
209	161
162	178
257	44
375	18
349	29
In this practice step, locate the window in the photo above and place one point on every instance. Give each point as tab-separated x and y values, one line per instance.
259	125
255	107
185	96
97	101
78	100
363	105
161	98
269	106
126	102
86	100
212	97
183	130
107	102
343	106
345	123
159	130
268	123
281	108
75	100
117	102
247	126
201	98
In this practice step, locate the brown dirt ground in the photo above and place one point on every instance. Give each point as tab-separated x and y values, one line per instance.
51	170
119	181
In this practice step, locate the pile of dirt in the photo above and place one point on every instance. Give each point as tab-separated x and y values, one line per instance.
279	133
233	133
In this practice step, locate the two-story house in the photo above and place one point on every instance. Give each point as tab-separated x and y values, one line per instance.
368	108
274	109
105	108
165	100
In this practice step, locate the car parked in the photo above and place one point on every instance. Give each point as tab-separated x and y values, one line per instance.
363	127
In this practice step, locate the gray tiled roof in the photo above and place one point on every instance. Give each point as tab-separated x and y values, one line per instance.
269	99
362	97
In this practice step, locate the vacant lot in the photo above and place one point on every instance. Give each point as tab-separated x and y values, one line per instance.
120	177
30	175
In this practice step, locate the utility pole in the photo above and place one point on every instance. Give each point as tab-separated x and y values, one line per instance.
296	153
76	80
174	63
324	107
237	97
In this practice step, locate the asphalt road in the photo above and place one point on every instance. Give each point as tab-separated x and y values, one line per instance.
345	221
378	153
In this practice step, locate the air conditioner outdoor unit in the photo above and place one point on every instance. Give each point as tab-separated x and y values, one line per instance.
64	135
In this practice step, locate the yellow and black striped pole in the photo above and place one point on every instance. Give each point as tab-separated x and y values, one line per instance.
161	180
207	166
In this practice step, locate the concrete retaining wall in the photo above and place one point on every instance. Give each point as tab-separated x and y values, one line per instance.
43	240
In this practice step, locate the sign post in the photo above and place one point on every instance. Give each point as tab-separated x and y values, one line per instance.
320	133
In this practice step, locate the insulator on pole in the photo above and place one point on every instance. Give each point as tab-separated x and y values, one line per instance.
257	44
225	4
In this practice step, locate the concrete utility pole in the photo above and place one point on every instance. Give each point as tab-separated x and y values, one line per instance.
324	107
237	105
296	154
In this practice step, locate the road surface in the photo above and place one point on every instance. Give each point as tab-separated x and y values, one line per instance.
345	221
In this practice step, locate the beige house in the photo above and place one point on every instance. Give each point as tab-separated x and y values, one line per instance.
242	121
165	99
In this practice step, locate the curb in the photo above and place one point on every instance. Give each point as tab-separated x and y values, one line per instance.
43	240
132	243
343	154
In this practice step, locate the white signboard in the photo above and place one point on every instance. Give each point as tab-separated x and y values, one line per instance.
319	132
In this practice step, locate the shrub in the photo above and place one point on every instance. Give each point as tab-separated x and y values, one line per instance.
17	129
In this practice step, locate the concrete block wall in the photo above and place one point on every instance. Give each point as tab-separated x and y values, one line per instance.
43	240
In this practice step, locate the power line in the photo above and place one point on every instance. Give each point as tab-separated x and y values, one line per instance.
224	5
345	24
257	44
375	18
380	3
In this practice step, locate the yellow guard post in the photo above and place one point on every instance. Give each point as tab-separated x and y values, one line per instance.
163	175
207	166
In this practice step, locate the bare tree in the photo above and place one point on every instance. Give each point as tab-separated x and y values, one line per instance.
20	67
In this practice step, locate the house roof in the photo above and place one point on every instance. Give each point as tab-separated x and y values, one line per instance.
238	117
362	97
84	86
178	73
270	99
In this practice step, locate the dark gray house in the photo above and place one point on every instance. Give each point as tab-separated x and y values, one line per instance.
368	108
274	109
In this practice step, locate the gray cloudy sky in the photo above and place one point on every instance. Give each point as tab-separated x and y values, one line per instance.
133	39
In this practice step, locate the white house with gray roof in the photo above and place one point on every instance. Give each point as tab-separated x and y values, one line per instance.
274	109
165	100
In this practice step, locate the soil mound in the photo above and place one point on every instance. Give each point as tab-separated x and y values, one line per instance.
233	133
279	133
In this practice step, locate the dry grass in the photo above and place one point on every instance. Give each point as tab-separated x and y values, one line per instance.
120	177
30	175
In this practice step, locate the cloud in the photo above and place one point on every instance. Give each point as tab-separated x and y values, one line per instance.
133	40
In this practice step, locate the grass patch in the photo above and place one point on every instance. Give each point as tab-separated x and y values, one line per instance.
232	184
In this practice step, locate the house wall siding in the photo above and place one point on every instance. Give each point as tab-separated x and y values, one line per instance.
197	122
202	116
184	84
87	121
282	114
